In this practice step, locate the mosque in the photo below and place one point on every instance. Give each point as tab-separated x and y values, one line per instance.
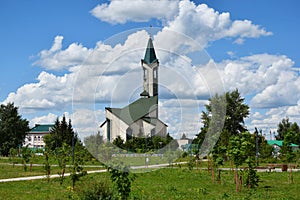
139	118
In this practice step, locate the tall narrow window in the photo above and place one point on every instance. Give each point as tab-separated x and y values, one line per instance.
108	129
145	74
155	74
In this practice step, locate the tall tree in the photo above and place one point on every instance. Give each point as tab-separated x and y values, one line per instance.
61	133
12	128
236	112
286	127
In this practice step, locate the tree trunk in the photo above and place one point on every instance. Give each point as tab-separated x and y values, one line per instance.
219	176
236	181
212	175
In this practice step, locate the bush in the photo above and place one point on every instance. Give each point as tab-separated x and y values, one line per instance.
97	191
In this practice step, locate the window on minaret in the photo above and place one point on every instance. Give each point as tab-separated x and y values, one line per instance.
155	74
145	74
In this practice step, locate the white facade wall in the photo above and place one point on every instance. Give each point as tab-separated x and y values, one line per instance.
117	127
35	140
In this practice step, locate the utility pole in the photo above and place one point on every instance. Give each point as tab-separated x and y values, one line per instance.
256	146
73	149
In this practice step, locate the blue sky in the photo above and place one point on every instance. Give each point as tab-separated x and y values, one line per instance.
256	51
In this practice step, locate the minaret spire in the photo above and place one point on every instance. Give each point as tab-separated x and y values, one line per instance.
150	66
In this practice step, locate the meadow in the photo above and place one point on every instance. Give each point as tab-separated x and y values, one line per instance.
166	183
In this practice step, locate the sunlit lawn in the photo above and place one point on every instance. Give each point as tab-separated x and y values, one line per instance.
169	183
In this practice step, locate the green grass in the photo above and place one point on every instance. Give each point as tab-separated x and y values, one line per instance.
10	171
168	183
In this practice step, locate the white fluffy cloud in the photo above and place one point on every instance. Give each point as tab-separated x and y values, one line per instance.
204	24
50	92
272	79
110	74
45	119
56	59
199	22
271	84
122	11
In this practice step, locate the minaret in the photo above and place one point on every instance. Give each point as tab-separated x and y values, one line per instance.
150	72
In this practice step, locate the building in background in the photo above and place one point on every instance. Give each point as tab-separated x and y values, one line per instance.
35	137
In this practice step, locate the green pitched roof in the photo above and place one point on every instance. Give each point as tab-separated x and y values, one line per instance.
144	93
279	143
135	110
150	56
41	128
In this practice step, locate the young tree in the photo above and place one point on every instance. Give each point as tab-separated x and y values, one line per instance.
93	143
241	149
13	128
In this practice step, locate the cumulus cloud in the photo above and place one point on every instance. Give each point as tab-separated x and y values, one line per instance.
45	119
199	22
50	92
122	11
110	74
56	59
206	25
271	85
272	79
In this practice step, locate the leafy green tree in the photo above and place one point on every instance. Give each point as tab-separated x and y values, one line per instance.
93	143
77	170
62	158
286	127
241	150
47	165
13	128
122	179
61	133
234	124
26	156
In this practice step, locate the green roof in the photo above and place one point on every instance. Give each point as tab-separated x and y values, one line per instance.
150	56
136	110
144	93
41	128
279	143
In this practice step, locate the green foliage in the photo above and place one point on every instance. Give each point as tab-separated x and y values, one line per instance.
26	155
241	147
287	153
12	128
122	178
47	165
96	190
61	133
191	163
62	156
288	129
252	178
77	169
233	119
144	144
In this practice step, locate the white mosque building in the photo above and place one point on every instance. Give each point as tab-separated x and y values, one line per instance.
139	118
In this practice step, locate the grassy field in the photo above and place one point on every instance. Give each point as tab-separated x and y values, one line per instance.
169	183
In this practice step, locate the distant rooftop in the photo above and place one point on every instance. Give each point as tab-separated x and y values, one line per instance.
279	143
41	128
